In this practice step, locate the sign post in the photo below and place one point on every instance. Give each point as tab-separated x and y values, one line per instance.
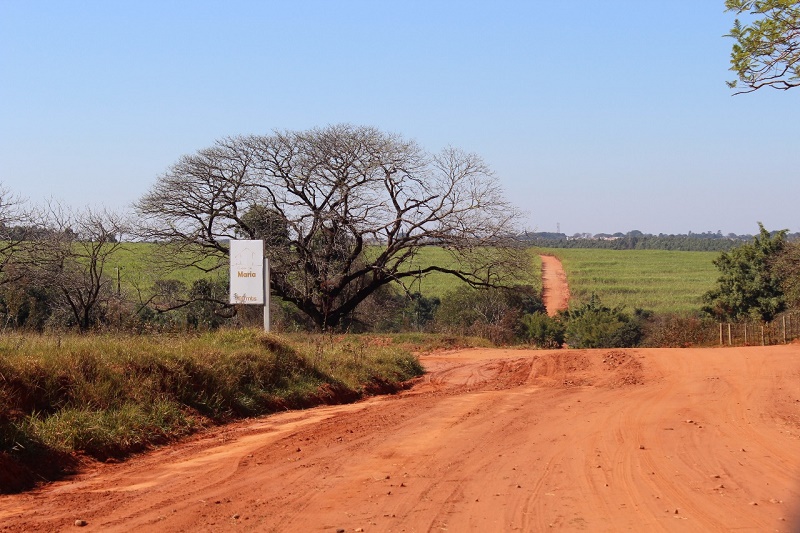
249	275
266	292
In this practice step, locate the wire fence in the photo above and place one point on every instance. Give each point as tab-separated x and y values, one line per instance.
784	329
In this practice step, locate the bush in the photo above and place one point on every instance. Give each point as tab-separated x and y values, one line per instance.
543	331
495	313
675	331
594	325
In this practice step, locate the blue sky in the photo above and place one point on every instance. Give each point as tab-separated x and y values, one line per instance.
598	116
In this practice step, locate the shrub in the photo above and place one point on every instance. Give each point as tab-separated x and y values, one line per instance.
675	331
594	325
495	313
542	330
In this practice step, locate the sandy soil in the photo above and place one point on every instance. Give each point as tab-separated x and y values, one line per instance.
555	291
488	440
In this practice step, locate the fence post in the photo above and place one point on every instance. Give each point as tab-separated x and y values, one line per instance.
762	335
730	342
720	334
745	332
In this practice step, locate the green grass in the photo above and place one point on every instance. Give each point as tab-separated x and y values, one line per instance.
658	280
437	284
139	270
135	260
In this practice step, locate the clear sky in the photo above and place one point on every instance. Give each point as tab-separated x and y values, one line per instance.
600	116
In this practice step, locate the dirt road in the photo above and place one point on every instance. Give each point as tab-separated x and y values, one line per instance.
555	290
489	440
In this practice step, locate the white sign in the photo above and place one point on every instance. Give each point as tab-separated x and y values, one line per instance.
247	272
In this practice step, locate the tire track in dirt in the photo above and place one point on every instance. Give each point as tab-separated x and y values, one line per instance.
489	440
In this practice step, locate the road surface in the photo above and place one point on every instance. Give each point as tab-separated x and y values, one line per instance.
555	290
488	440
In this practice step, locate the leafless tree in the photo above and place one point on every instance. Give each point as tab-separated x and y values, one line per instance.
73	256
12	221
343	211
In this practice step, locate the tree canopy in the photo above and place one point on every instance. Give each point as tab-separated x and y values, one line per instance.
749	285
342	210
767	48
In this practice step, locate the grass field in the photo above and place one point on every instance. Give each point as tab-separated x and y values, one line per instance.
438	284
657	280
138	270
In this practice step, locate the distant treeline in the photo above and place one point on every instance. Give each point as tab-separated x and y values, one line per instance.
636	240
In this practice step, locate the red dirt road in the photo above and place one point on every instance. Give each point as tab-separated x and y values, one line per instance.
555	290
488	440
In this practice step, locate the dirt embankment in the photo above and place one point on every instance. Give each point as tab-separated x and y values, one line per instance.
488	440
555	290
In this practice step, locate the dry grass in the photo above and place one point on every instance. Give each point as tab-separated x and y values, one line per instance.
109	396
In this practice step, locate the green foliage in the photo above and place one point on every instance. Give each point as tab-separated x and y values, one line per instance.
748	286
694	242
594	325
543	331
26	306
260	222
203	311
787	268
767	49
494	313
422	310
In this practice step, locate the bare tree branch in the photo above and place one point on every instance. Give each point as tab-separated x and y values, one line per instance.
343	211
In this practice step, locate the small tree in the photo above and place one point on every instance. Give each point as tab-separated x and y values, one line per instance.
748	285
73	257
12	232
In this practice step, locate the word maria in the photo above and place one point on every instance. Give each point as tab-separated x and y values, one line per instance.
241	274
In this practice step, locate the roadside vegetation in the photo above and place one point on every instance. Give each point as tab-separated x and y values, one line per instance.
107	396
119	336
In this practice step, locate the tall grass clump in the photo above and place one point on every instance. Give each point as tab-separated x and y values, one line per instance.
109	396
